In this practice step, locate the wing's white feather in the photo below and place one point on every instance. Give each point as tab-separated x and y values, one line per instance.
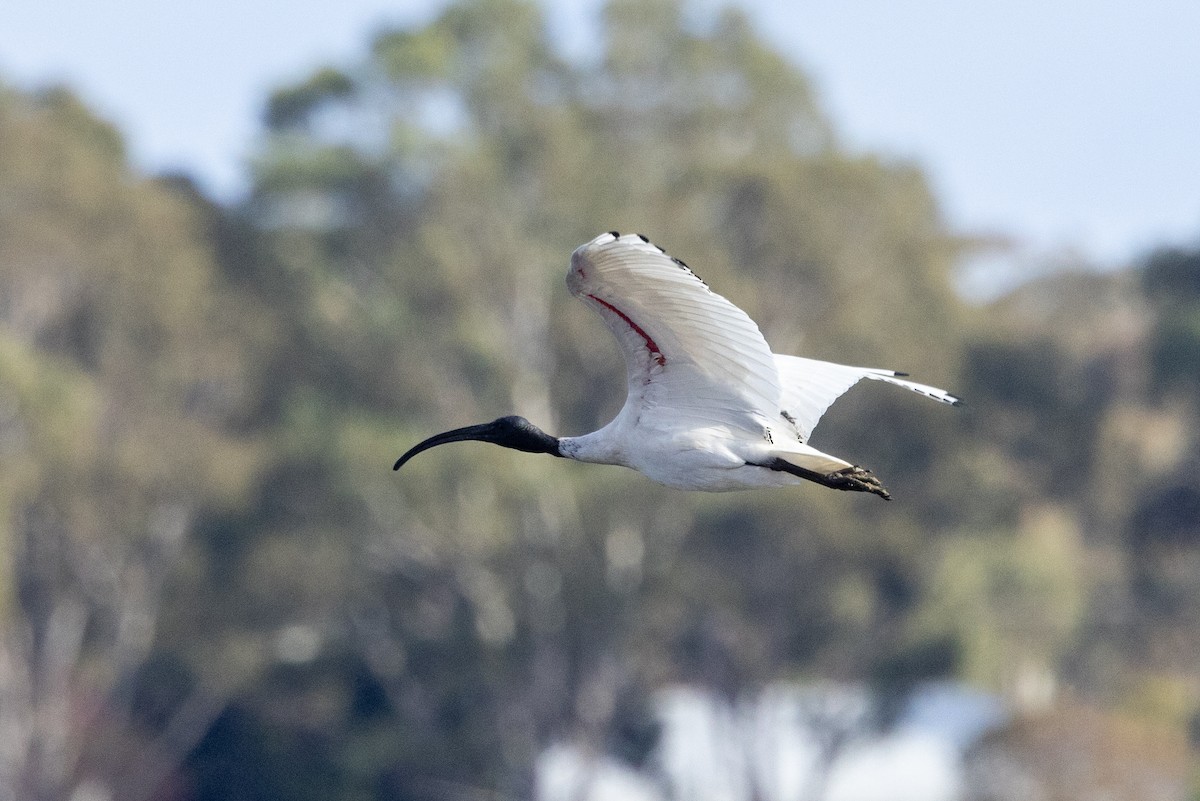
810	386
939	395
693	359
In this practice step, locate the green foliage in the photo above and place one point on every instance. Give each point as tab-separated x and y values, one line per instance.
1171	281
110	295
1172	276
123	367
1013	602
288	107
1175	354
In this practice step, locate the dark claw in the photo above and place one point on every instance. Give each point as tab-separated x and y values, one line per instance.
857	479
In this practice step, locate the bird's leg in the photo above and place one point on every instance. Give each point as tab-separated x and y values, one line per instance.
853	478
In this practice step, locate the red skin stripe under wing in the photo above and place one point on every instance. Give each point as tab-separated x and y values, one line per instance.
655	353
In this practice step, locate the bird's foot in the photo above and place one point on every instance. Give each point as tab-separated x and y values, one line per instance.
857	479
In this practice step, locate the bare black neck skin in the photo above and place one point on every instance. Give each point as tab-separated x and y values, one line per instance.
509	432
521	435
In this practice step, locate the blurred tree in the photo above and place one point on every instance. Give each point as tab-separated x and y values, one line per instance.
1073	751
198	406
1171	281
121	364
1015	603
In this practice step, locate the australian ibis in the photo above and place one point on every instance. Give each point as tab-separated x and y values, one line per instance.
709	406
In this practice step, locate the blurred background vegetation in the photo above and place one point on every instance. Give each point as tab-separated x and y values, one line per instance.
214	587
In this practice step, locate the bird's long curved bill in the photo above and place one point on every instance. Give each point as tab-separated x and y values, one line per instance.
478	432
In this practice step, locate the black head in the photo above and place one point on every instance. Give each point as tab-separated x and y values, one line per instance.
511	432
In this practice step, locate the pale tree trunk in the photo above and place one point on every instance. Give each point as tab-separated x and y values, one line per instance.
79	630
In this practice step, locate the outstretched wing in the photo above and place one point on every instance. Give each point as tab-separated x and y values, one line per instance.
693	359
809	387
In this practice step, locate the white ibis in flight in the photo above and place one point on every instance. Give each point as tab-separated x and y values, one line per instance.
710	407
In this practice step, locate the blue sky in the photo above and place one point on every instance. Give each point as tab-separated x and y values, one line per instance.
1070	125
